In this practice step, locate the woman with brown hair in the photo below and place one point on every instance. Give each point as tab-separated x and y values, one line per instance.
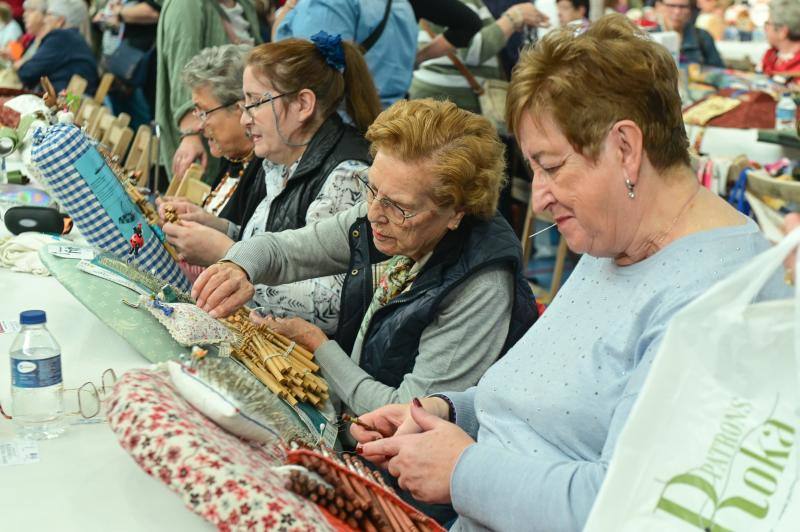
434	291
598	117
292	92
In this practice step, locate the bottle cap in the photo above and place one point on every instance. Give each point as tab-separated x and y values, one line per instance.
32	317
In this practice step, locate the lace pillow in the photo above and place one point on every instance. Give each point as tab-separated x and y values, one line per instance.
188	324
235	400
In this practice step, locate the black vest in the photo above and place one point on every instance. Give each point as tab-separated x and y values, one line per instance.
332	144
391	342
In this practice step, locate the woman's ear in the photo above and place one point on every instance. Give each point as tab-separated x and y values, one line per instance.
628	145
307	101
455	220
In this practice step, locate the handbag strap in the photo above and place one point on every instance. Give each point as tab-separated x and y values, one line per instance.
373	37
227	25
460	66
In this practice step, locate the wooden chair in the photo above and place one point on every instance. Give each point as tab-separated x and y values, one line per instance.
190	185
100	121
103	87
77	85
118	139
109	122
86	113
140	155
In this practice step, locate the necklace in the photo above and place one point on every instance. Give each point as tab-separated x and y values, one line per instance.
678	217
244	159
215	204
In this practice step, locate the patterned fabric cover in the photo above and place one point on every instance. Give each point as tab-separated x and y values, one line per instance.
228	481
190	325
55	152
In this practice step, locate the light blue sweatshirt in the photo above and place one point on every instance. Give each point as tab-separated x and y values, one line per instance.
548	414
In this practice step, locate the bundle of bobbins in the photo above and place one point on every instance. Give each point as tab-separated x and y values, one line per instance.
351	493
286	368
170	216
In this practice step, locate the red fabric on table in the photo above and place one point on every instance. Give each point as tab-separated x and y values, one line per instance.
228	481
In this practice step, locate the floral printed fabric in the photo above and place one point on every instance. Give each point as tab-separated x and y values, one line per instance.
228	481
315	300
188	324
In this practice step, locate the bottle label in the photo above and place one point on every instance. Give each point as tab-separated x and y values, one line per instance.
36	373
787	114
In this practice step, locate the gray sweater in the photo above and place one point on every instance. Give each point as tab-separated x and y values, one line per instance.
455	350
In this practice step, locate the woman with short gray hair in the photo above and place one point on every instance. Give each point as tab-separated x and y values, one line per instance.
63	49
783	36
214	77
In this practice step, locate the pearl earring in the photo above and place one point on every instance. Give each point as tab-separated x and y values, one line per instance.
630	185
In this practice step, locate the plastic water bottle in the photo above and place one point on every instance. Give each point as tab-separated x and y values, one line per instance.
786	114
37	390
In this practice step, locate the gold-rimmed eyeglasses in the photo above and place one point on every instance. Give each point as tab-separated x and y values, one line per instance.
393	212
89	396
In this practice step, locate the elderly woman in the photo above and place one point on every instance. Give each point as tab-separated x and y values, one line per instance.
573	13
63	51
439	78
528	447
783	36
206	232
697	45
293	90
451	297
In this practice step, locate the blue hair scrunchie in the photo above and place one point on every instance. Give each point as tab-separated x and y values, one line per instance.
330	46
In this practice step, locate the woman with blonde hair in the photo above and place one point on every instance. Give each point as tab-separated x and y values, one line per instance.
599	120
434	292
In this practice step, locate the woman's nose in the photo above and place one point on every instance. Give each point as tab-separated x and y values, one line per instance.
541	196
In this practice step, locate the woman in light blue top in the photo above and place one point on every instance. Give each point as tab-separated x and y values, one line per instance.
599	120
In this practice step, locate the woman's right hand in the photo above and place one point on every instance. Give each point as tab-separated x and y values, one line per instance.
531	16
191	148
181	205
222	289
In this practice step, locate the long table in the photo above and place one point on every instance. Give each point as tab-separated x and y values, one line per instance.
84	480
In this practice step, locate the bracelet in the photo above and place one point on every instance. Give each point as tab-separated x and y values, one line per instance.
183	134
451	414
515	17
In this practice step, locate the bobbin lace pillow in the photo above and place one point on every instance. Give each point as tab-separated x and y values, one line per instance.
235	400
228	481
188	324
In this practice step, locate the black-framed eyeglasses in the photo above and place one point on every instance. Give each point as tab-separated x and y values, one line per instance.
203	115
394	212
265	98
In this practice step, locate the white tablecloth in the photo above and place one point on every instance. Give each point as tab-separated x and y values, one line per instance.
84	481
737	50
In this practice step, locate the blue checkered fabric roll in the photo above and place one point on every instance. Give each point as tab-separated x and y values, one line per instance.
55	153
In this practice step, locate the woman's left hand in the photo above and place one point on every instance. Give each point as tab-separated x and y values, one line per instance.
197	243
295	329
423	463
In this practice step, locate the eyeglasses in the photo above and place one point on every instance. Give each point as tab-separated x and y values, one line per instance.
265	98
89	397
203	115
677	6
395	213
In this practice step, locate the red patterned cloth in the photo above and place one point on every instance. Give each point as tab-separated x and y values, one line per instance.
226	480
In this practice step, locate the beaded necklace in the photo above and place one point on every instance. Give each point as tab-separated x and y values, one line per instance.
215	206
